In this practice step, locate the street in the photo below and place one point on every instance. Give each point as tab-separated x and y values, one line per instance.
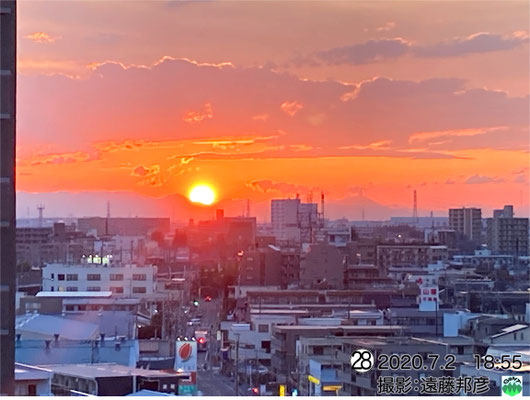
210	381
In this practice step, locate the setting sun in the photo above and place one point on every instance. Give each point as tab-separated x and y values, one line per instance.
202	194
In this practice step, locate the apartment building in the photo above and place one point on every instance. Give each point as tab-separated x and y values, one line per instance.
506	234
284	338
420	255
318	365
124	280
466	221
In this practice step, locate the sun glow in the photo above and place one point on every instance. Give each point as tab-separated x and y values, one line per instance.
202	194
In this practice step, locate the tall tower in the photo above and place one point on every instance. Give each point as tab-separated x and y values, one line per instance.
40	208
8	71
415	208
107	219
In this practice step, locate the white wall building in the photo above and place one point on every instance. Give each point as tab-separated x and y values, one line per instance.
255	338
127	280
293	221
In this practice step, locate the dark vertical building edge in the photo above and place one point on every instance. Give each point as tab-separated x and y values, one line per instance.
8	46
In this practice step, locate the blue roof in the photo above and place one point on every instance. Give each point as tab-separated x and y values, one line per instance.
39	326
34	352
145	392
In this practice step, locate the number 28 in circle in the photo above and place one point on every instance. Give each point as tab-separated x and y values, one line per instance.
362	360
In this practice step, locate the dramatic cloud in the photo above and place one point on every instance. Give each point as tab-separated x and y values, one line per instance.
193	117
477	43
280	188
478	179
41	37
377	50
368	52
149	176
149	102
291	107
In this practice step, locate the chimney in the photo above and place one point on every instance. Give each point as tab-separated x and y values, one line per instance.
219	214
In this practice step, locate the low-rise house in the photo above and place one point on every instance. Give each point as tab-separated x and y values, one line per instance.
32	381
109	379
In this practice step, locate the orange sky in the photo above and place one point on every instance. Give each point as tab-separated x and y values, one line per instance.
364	101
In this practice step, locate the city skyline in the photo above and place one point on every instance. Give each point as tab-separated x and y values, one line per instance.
382	104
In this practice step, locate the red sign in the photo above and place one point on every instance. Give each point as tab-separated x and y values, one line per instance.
185	352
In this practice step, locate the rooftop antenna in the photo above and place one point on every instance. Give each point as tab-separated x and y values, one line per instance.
248	208
40	207
322	204
107	220
310	197
415	208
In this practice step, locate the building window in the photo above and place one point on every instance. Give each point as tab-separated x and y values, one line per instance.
60	277
263	328
460	350
139	277
116	289
93	289
318	350
71	288
32	390
266	345
116	277
71	277
140	289
52	276
93	277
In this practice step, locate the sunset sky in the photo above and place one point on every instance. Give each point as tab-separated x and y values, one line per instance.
135	102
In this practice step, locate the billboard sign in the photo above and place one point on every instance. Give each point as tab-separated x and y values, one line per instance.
186	356
429	299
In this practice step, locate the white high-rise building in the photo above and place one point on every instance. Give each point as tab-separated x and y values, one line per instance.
294	221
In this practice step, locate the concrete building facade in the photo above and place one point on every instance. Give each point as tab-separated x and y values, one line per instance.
467	221
128	280
323	266
507	234
293	222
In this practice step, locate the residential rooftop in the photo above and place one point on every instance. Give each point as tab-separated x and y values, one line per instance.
103	370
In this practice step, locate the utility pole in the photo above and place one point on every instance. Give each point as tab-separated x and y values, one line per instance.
163	332
237	366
